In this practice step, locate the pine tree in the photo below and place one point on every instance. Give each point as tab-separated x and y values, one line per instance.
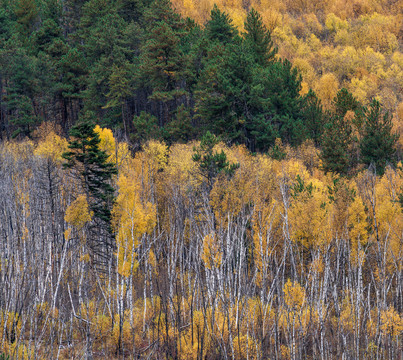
162	62
6	22
378	143
279	107
120	89
258	39
219	27
20	70
345	101
313	116
107	46
92	168
223	92
336	141
26	12
162	11
132	10
211	163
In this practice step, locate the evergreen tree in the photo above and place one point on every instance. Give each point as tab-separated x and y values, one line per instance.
120	85
345	101
279	107
72	12
162	11
132	10
162	62
312	114
26	12
145	128
336	141
223	92
47	35
20	70
219	27
258	39
211	163
180	129
93	170
378	143
6	24
53	10
108	46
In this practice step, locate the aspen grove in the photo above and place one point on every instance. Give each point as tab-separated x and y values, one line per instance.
272	260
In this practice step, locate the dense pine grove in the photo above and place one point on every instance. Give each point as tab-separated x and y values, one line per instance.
148	73
178	188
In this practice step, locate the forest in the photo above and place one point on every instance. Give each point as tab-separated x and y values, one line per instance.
201	180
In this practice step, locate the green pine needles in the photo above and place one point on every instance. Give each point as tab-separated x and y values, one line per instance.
92	168
212	163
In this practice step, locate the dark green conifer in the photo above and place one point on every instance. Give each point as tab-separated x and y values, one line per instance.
336	141
162	62
26	12
92	168
258	39
312	114
211	163
378	143
219	27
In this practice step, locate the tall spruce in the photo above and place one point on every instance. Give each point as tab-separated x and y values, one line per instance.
258	39
93	168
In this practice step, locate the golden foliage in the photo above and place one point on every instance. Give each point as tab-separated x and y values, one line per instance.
357	220
391	322
310	215
327	88
78	213
119	154
212	255
52	146
348	315
294	295
132	217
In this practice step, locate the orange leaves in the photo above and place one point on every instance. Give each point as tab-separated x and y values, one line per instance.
119	154
296	314
266	221
130	212
180	171
107	143
157	154
348	315
245	347
391	322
